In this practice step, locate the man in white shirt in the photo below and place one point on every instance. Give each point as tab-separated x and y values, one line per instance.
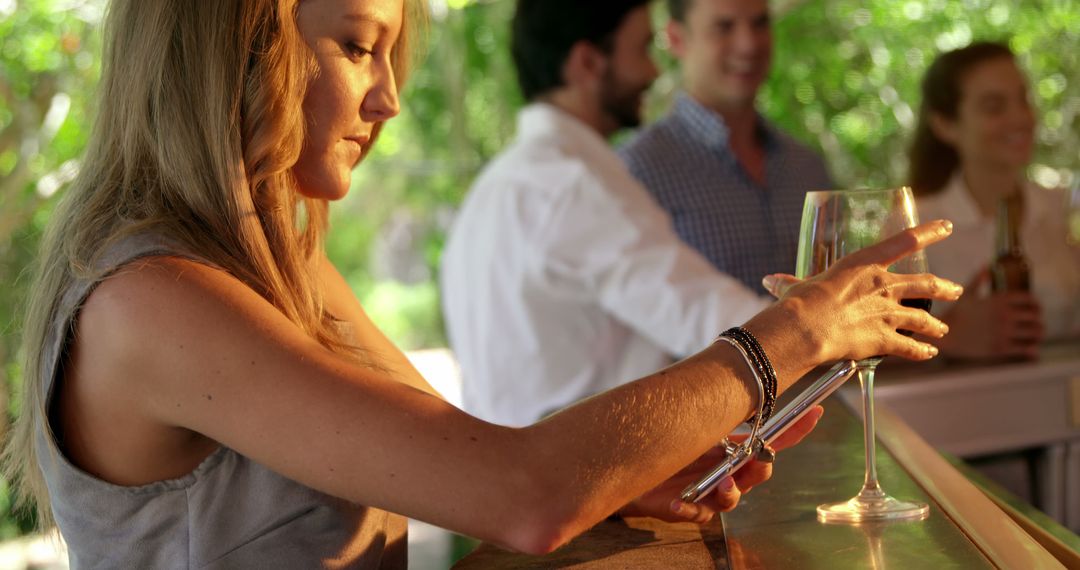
562	277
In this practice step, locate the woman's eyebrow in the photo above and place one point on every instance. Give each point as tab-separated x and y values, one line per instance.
364	17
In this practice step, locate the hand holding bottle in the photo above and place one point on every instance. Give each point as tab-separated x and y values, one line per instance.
1005	324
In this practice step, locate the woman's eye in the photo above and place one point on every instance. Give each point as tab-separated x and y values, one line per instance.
357	51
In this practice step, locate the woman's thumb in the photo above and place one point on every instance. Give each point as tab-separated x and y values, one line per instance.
778	283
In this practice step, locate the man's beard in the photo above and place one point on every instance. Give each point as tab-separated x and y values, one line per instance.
621	102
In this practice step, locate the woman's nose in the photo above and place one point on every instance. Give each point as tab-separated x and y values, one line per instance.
381	102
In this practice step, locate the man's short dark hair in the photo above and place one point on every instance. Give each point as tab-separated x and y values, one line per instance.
545	30
677	9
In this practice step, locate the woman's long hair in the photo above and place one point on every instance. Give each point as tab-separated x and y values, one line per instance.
933	161
199	123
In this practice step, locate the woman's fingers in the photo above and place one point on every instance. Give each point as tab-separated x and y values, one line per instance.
917	321
1021	337
757	472
924	286
853	307
723	499
1019	308
799	429
751	475
726	496
909	348
778	283
1018	317
700	513
891	289
1025	327
899	246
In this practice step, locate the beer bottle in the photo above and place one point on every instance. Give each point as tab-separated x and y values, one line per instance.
1010	270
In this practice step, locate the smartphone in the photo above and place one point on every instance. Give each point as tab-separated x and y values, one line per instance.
741	454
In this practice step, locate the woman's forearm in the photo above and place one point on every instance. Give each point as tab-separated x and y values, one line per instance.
639	435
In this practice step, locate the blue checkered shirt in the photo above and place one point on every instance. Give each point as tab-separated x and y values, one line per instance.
745	230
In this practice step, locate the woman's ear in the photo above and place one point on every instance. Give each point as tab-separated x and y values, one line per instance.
944	128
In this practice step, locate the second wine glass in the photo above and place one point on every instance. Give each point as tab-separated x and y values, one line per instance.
835	224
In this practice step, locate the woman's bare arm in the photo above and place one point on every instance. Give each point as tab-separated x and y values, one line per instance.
182	345
185	348
342	304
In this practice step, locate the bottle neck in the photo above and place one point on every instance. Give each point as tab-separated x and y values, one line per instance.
1009	214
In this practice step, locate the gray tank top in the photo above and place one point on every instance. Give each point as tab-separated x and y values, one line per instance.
230	512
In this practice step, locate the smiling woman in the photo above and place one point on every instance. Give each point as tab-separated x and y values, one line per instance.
203	390
972	147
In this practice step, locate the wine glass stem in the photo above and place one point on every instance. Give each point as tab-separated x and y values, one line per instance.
871	489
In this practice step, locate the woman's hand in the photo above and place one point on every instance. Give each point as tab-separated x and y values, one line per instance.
663	502
852	310
999	325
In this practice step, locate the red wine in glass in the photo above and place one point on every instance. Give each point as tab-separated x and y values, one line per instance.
923	304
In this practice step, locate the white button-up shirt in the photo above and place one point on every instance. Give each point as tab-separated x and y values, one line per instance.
1055	266
562	278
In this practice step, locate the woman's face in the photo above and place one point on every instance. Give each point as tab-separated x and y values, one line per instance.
353	91
995	124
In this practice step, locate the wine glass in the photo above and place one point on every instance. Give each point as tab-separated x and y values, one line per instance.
834	224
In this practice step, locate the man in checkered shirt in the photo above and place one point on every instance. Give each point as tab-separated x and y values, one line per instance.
732	183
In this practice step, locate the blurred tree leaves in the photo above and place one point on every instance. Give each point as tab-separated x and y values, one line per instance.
846	76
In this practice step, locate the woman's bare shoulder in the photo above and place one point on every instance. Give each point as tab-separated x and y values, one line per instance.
158	280
164	331
135	348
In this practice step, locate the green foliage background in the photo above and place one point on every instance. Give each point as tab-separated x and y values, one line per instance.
845	80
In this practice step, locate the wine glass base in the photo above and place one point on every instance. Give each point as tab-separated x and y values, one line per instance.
859	510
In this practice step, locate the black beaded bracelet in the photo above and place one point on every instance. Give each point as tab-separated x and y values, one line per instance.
755	418
762	365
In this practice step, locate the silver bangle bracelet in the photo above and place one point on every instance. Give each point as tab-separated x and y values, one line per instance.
756	418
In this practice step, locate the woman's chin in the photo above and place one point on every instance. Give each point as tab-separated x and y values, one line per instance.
334	194
322	194
1018	160
329	188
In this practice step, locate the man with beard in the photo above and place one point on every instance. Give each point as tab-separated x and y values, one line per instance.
561	277
733	184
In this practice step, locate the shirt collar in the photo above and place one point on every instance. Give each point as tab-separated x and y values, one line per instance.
709	127
544	120
955	199
962	209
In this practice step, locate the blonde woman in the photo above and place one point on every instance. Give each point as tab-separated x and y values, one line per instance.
203	390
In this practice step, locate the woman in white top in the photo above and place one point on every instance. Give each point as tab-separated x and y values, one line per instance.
973	143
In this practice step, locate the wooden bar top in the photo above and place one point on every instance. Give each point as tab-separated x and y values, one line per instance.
775	526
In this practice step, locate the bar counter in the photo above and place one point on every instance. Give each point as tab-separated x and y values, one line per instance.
972	410
775	525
